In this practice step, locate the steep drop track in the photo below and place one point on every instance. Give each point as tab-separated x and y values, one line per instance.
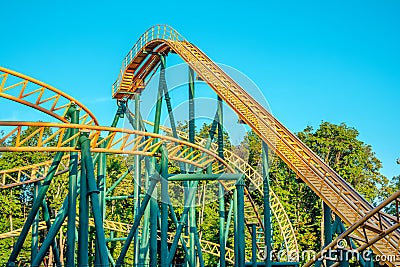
322	179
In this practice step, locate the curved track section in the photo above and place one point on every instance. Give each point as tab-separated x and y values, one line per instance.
321	178
119	141
43	97
30	174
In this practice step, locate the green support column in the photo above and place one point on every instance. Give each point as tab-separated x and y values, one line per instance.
191	106
153	229
192	228
229	219
46	218
144	244
35	206
160	95
101	181
58	221
192	211
83	230
327	229
239	225
93	193
181	224
120	179
253	245
136	179
198	246
138	217
221	190
54	229
267	208
35	227
164	207
73	113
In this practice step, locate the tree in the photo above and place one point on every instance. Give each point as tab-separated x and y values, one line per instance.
352	159
14	202
337	145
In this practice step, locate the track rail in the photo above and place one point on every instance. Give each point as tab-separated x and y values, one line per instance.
43	97
321	178
120	141
31	173
36	172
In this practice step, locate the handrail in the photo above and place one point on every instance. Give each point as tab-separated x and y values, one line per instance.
156	32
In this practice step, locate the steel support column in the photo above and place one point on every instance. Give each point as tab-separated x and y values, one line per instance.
73	113
221	190
239	224
254	245
164	207
46	217
83	229
136	223
267	208
192	211
93	193
327	229
136	180
180	226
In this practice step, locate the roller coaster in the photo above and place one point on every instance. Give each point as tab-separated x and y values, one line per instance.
162	160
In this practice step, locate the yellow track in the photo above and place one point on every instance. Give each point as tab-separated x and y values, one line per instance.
120	141
43	97
322	179
37	172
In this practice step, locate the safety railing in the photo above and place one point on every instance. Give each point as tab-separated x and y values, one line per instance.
156	32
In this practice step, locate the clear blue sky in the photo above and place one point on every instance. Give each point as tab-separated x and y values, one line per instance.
336	61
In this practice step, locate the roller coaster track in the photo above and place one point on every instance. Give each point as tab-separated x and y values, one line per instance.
31	92
206	246
343	199
43	97
30	173
364	242
119	141
36	172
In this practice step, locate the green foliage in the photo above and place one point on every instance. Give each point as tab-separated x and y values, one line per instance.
339	147
15	203
354	160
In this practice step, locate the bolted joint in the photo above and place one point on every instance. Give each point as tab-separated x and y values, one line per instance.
72	112
84	137
121	108
155	177
240	183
